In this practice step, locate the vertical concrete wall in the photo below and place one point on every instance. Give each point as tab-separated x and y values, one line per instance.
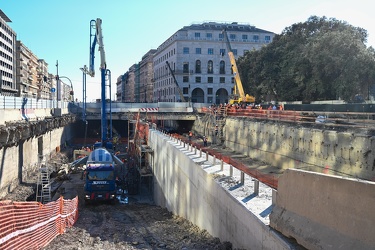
325	212
284	146
19	162
187	190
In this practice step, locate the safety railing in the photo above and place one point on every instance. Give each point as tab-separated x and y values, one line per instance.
8	102
333	119
32	225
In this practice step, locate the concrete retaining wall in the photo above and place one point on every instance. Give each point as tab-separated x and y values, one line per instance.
325	212
284	146
18	163
186	189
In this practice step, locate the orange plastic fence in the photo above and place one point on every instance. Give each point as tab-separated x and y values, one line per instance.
32	225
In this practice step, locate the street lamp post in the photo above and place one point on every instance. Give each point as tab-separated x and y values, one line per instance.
71	86
85	71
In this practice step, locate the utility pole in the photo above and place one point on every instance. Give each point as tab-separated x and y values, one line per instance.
57	83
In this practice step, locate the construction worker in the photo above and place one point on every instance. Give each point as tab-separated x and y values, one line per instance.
190	136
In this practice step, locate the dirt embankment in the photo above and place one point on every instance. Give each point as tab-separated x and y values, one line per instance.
128	225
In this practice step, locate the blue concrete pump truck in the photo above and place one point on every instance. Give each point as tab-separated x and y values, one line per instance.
102	170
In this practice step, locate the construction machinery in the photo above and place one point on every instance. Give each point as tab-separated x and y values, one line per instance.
239	95
96	37
103	170
175	81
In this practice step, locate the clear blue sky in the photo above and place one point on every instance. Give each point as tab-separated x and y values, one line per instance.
59	30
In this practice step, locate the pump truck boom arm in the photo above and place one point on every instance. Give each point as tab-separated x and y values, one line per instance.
238	87
96	37
175	81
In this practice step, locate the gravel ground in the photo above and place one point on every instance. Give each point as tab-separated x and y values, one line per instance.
130	225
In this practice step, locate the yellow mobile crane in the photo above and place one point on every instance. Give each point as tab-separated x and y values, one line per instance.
239	94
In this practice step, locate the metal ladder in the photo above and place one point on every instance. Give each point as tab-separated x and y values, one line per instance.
44	194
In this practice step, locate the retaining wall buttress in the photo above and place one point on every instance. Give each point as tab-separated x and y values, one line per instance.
325	212
187	190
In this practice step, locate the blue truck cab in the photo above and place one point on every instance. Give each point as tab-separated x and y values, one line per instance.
100	176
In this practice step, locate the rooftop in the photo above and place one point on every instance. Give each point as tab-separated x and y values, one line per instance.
4	17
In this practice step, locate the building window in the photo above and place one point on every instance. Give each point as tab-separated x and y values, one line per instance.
222	52
186	50
210	51
232	36
209	35
209	99
234	51
185	79
198	79
197	35
222	67
185	68
244	37
185	91
198	51
222	79
267	38
210	79
210	67
198	66
209	91
232	80
256	37
221	36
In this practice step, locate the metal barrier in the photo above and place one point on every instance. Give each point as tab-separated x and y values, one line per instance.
32	225
8	102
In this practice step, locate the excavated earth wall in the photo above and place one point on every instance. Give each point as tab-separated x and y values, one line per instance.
320	208
25	143
319	148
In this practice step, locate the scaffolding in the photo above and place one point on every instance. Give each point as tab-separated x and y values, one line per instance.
142	155
219	118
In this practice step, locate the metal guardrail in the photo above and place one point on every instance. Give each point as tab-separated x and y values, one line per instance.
8	102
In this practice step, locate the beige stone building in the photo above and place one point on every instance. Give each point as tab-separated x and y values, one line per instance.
198	57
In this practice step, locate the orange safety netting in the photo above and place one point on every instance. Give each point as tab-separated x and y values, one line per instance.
32	225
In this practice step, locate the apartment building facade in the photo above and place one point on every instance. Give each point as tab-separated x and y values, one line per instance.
198	57
131	85
146	84
26	71
22	73
8	85
120	87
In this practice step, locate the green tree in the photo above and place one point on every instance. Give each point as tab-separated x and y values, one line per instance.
320	59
